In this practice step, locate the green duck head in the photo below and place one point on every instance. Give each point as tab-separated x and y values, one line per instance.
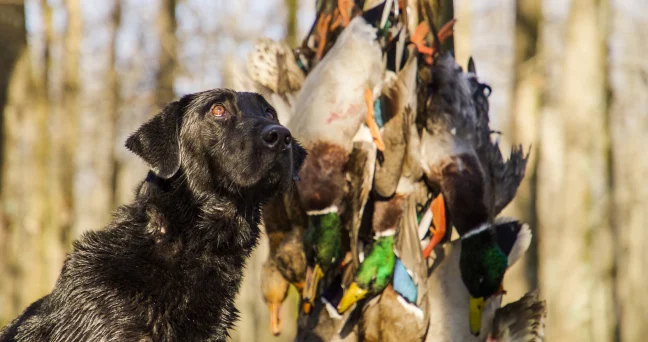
323	244
482	264
374	274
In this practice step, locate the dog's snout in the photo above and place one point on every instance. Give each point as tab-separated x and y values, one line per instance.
276	136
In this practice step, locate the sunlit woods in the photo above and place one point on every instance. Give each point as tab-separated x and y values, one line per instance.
569	77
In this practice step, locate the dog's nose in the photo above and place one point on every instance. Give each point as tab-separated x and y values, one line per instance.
276	136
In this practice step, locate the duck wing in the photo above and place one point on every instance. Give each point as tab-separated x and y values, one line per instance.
359	174
400	98
407	247
521	321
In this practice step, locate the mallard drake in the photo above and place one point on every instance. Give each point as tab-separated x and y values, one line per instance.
324	252
395	274
327	240
329	114
459	157
403	306
520	321
451	317
386	212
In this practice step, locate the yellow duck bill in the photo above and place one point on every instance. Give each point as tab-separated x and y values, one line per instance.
313	276
352	295
476	309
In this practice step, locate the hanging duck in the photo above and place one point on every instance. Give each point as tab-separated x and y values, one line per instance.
451	315
329	112
286	263
392	280
459	157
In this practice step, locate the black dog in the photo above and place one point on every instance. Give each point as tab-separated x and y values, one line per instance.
169	265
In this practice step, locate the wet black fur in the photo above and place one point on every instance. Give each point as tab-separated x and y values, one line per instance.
169	265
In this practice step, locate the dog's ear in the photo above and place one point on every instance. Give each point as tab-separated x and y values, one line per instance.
299	156
156	142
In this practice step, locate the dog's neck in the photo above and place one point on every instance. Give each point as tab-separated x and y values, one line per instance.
205	222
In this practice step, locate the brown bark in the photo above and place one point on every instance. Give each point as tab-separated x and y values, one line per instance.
166	29
24	187
291	24
69	115
93	180
628	120
524	130
575	249
14	81
141	95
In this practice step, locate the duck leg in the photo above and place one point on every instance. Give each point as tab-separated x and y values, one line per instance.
439	222
418	39
345	7
322	31
371	120
347	260
422	30
447	30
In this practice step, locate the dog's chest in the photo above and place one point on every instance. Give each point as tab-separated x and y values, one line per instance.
197	305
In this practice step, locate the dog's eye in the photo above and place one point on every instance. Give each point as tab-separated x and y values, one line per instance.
270	114
218	110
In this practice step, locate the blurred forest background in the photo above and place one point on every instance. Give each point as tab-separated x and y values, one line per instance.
569	77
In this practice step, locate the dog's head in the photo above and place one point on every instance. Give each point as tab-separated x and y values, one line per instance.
221	140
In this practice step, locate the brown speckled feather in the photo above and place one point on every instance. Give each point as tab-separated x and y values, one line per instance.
400	99
408	248
521	321
359	175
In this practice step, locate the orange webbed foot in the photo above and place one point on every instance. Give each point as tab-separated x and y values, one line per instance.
418	39
322	31
345	7
439	223
422	30
447	30
371	121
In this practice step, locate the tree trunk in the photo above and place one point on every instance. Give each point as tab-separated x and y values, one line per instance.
524	130
15	77
93	181
291	25
144	90
485	30
70	115
575	248
628	119
24	191
166	27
